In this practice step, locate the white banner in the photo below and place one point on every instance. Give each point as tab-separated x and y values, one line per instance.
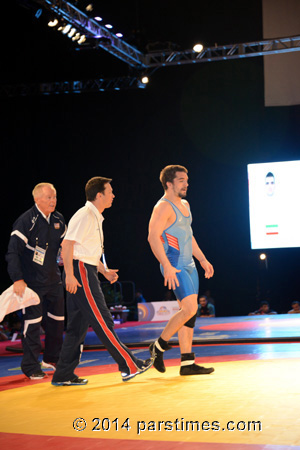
157	311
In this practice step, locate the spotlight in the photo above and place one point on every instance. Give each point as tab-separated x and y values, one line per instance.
119	35
109	26
66	29
99	19
72	32
53	23
82	39
263	257
76	37
145	79
198	48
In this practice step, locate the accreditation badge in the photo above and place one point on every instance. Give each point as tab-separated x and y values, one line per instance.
39	255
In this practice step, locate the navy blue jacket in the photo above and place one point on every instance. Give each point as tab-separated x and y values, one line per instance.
29	230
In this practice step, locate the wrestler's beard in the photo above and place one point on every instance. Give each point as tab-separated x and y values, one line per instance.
182	194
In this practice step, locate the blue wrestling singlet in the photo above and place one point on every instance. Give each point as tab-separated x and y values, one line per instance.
177	242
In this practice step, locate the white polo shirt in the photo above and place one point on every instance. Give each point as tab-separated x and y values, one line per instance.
85	228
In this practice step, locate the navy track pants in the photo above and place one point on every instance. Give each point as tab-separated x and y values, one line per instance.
88	308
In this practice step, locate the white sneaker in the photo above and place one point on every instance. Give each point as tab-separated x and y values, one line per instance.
45	365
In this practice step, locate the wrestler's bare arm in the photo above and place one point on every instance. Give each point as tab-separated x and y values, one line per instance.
160	217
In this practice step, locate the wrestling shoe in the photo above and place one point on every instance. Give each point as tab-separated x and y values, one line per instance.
194	369
75	382
145	366
158	356
38	375
188	366
48	365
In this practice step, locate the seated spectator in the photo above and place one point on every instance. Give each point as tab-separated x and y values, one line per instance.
205	309
210	299
139	297
264	309
295	308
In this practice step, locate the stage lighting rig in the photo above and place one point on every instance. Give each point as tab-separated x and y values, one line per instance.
87	32
92	27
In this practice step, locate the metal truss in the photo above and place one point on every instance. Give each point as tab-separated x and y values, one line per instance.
153	61
130	55
142	63
71	87
224	52
93	29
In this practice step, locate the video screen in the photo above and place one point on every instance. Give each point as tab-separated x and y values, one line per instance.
274	204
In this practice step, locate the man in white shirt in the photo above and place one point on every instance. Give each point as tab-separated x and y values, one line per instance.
82	250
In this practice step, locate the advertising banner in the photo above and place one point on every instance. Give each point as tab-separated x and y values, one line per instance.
157	311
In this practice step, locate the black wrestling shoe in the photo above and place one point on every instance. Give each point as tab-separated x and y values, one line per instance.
144	367
194	369
188	366
75	382
38	375
158	357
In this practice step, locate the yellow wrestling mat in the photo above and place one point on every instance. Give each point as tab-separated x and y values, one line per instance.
246	402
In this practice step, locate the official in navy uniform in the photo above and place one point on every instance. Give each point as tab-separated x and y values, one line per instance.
32	258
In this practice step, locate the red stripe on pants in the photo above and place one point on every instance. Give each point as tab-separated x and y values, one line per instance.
131	365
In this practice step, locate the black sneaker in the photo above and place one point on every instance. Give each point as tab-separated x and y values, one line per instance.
38	375
194	369
144	367
75	382
158	357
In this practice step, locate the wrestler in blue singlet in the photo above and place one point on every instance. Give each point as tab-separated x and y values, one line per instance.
177	242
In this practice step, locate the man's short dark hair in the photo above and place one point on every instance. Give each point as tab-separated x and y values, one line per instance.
95	185
264	302
269	175
169	173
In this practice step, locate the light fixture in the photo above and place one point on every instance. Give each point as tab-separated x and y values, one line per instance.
263	257
66	29
198	48
82	39
98	18
145	79
109	26
119	35
72	32
53	23
76	37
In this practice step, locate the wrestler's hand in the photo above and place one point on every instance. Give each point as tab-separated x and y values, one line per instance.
208	268
111	275
19	287
170	277
72	284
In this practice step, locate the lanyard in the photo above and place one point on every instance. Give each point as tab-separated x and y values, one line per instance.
102	243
